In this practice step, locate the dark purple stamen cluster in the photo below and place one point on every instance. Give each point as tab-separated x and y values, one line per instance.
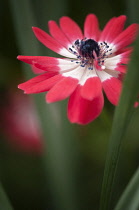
86	48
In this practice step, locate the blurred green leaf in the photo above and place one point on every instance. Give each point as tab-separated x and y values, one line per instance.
130	197
121	121
132	10
4	202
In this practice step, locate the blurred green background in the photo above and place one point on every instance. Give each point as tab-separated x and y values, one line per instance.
61	168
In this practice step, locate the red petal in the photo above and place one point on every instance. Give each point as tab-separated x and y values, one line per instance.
91	89
91	27
83	111
71	29
127	50
48	63
38	59
111	32
127	36
42	62
107	28
112	88
37	70
58	34
62	89
36	80
50	42
121	68
120	59
126	56
36	86
62	65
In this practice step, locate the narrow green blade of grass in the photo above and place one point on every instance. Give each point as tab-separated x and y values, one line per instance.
121	121
130	197
60	153
4	201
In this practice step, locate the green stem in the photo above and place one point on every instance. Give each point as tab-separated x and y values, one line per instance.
121	121
4	201
130	197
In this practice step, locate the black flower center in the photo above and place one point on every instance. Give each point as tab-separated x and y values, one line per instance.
88	48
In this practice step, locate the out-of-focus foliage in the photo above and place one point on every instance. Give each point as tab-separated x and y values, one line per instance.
74	155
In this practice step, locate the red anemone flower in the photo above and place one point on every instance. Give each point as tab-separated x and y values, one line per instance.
95	61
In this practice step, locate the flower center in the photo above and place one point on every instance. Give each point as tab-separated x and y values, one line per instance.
88	48
90	53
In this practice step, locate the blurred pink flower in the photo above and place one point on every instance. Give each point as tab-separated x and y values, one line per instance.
136	104
20	124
